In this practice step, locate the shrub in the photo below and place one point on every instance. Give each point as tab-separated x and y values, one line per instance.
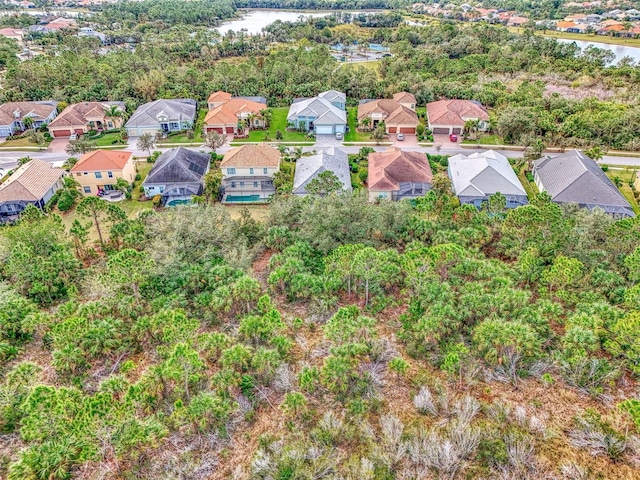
423	401
157	199
278	135
66	201
597	436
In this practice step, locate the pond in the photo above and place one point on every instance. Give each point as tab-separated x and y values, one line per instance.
620	51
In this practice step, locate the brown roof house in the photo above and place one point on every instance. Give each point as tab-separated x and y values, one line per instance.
398	114
247	173
99	171
226	112
33	183
80	118
398	175
13	33
13	116
449	116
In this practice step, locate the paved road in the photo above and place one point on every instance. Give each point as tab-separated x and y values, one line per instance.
8	159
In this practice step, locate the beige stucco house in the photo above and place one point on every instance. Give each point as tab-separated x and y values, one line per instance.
247	173
101	169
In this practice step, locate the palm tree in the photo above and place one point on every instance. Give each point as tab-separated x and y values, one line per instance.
267	115
113	112
366	123
28	123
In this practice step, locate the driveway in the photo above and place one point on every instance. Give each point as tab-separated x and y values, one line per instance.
58	145
327	141
444	142
410	141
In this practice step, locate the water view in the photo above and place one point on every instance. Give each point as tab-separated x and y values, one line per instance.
620	51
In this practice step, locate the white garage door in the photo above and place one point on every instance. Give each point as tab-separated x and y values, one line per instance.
324	129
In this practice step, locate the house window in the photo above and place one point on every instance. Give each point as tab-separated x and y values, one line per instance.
174	126
251	171
78	174
264	170
233	184
241	184
98	174
110	174
231	171
85	173
87	189
255	184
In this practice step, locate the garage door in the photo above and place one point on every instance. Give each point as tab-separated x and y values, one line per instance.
457	131
409	130
229	129
214	129
392	129
79	131
62	133
441	131
324	129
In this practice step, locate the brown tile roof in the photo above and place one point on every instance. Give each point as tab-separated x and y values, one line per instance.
388	169
228	113
77	113
30	182
566	25
252	156
11	32
612	28
404	97
393	113
38	110
453	112
219	96
100	160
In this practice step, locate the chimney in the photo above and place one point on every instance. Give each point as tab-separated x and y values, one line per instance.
16	114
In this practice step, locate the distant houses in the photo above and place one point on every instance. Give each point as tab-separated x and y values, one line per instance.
449	116
309	168
398	175
573	177
98	171
33	183
324	114
14	115
478	176
247	173
162	116
177	175
80	118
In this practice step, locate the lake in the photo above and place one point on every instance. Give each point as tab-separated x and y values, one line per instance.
620	51
255	20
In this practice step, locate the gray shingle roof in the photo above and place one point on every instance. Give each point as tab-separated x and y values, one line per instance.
575	178
325	112
483	174
147	114
178	165
308	168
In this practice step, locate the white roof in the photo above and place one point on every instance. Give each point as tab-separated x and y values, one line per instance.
308	168
325	112
483	174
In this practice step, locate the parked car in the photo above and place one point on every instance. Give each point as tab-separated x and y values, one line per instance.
400	136
453	137
338	135
73	136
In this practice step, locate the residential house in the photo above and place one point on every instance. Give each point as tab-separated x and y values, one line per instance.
565	26
33	183
13	33
331	160
398	114
90	32
576	17
162	116
398	175
449	116
575	178
324	114
226	112
517	21
247	173
99	170
13	115
177	175
476	177
81	118
611	30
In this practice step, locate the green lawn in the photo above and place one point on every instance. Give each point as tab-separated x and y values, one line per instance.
529	187
108	139
21	142
585	37
626	176
485	140
353	135
278	122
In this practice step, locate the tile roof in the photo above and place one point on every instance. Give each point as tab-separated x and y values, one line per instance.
453	112
35	110
179	165
575	178
252	156
332	159
147	115
77	113
101	160
219	96
566	25
229	112
483	174
393	113
388	169
30	182
325	112
404	97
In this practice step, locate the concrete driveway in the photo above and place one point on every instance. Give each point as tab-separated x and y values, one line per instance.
327	141
444	142
58	145
410	141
